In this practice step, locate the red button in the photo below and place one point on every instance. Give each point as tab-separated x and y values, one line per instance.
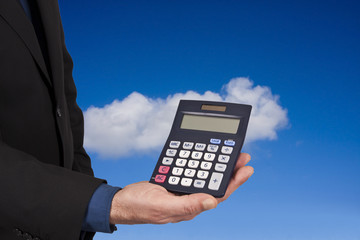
160	178
164	169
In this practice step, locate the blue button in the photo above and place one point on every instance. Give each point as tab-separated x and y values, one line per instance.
229	143
215	141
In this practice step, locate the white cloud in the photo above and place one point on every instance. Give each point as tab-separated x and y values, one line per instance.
138	124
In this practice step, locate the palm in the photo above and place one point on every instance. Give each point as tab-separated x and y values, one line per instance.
144	202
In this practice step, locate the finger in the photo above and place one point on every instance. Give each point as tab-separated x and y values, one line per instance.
186	207
240	176
195	203
243	159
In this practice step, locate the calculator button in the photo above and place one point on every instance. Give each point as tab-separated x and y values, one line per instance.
199	183
167	161
215	141
229	142
174	144
174	180
189	172
184	154
226	150
171	152
193	164
164	169
177	171
215	181
202	174
196	155
200	146
209	156
205	165
186	182
181	162
160	178
188	145
220	167
212	148
224	158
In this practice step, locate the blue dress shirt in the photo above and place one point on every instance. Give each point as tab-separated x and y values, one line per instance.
98	211
26	7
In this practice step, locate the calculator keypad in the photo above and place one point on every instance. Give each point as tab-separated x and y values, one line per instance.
195	164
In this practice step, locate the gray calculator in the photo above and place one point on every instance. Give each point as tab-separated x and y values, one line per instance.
203	146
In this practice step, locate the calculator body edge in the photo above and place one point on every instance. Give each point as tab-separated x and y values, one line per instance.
194	108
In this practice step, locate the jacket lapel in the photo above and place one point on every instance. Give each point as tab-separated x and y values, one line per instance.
14	15
49	12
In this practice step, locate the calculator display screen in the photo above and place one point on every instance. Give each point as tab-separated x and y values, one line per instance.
210	123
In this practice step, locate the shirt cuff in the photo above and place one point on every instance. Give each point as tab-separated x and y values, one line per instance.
98	212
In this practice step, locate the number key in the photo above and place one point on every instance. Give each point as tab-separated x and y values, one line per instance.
174	180
202	174
181	162
184	154
209	156
177	171
193	164
196	155
206	165
189	172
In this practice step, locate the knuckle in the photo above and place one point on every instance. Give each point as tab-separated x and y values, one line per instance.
189	210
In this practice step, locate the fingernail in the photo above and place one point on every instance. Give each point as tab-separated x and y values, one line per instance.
252	172
209	204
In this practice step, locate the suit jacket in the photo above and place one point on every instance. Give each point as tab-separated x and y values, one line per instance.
46	180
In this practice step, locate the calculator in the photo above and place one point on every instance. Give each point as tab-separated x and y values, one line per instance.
203	146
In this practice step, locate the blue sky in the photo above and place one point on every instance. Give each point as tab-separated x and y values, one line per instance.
306	182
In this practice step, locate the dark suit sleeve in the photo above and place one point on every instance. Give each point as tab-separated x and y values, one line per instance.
44	200
81	159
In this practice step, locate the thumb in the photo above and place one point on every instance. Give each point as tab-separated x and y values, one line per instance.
209	203
196	203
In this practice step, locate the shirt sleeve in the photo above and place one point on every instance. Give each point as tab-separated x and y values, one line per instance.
98	212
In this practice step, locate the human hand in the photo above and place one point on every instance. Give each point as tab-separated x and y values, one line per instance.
145	202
